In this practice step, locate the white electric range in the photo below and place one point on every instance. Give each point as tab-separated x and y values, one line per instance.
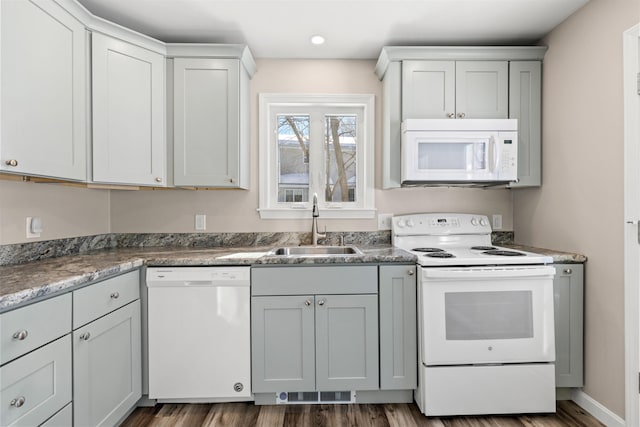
486	326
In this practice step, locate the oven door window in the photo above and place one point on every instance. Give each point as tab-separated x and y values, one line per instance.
488	315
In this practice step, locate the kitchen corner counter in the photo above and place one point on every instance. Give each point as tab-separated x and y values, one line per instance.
30	282
559	257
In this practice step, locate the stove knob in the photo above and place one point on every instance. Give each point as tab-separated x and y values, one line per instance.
484	222
474	221
410	223
401	223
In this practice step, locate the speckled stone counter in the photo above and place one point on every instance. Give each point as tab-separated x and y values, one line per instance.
559	257
24	283
43	274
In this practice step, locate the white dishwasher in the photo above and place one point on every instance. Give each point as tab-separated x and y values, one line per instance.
199	334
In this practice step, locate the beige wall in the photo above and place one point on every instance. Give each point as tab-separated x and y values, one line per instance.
580	205
173	211
65	211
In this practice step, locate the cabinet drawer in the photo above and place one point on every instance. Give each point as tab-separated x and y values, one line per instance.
101	298
64	418
37	385
30	327
314	280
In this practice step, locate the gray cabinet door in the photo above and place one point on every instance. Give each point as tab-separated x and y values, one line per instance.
206	122
398	336
568	292
525	104
128	113
107	372
346	342
282	343
482	89
428	89
44	84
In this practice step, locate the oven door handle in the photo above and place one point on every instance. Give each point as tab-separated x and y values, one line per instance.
487	273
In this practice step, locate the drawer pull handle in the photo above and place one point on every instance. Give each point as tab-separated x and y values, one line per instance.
85	336
20	335
18	402
567	271
115	295
12	162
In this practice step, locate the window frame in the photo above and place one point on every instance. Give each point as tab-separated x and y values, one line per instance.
270	105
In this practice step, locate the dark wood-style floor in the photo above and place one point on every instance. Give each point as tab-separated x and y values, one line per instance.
393	415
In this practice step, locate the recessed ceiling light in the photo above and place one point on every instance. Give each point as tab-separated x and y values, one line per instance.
317	40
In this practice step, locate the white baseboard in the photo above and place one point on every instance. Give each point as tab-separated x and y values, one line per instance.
598	410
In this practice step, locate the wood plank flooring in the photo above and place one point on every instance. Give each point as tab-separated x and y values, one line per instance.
246	414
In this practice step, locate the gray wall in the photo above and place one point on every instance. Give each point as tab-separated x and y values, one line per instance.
580	205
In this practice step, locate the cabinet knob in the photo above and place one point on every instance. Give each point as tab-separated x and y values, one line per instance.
115	295
158	179
85	336
321	302
20	335
411	272
451	115
18	401
567	271
461	115
12	162
307	303
231	180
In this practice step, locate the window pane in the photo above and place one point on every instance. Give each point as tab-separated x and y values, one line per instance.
340	158
293	158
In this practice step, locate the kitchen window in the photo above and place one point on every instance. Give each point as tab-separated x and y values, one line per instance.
320	144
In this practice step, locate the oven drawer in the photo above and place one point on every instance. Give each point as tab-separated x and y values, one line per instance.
487	315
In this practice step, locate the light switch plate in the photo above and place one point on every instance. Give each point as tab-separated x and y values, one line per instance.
34	227
496	221
201	222
384	221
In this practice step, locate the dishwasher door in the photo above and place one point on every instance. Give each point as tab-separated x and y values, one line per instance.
199	336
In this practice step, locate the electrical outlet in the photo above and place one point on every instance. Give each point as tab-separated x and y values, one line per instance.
201	222
497	221
384	221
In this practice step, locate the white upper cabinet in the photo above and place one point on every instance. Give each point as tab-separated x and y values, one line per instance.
44	91
455	89
128	113
462	82
482	89
210	119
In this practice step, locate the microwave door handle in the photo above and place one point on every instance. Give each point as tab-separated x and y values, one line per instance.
493	154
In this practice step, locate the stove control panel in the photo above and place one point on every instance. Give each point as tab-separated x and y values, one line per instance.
439	224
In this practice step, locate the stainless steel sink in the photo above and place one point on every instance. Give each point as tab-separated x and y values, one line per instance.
315	251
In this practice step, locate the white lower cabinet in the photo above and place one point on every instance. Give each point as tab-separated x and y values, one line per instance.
36	385
64	418
107	373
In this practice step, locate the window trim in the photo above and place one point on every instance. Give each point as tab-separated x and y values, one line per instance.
365	208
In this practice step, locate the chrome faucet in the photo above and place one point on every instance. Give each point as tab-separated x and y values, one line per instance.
315	213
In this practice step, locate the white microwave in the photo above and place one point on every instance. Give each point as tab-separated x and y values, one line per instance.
469	151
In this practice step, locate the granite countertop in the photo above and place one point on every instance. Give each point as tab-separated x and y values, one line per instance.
24	283
21	284
559	257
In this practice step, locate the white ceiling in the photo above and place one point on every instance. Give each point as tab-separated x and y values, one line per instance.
352	28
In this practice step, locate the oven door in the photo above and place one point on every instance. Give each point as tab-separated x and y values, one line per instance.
481	315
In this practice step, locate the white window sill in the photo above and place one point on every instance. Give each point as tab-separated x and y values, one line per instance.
293	213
